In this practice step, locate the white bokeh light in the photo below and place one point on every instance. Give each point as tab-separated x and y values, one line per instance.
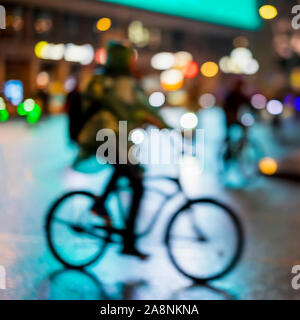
241	57
274	107
157	99
188	120
240	61
252	67
182	58
171	78
163	61
137	136
29	105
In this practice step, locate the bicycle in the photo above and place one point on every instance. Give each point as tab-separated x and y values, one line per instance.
239	158
202	230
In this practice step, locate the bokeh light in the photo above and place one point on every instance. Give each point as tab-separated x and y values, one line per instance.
103	24
34	116
100	56
241	57
2	104
43	25
42	80
268	166
39	47
240	61
297	103
274	107
31	110
163	61
207	100
182	58
225	64
20	110
209	69
295	78
4	115
258	101
83	54
268	12
288	100
29	105
50	51
138	34
252	67
137	136
70	84
171	80
191	70
13	91
157	99
247	119
177	98
188	120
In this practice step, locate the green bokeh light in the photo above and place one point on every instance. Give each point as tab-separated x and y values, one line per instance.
20	110
4	115
234	13
33	115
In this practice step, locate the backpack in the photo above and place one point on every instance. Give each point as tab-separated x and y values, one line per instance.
77	117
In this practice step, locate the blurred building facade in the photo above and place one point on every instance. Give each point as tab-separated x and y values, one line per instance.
74	21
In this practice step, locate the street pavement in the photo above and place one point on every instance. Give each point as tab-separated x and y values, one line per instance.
35	169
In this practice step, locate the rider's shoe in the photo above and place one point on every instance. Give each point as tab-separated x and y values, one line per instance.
134	252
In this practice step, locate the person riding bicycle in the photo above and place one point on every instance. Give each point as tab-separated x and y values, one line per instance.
114	95
234	100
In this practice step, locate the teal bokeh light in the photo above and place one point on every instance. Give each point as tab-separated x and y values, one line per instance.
233	13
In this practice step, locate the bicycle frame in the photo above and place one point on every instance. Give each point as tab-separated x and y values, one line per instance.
113	187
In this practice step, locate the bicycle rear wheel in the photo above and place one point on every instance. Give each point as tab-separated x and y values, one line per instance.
71	230
204	240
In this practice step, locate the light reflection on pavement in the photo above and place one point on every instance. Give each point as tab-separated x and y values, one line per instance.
36	162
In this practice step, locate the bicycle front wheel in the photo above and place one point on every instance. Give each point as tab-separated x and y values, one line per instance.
76	237
204	239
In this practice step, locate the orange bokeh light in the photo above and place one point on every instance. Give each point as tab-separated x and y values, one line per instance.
103	24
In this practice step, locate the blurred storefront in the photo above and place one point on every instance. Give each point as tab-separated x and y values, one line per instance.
74	26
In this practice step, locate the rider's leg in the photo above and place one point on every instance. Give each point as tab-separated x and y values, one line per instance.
138	190
134	174
99	204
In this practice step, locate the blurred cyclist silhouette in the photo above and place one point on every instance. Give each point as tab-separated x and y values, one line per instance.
74	111
234	100
114	95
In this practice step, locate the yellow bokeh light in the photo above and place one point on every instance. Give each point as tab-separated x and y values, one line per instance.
103	24
268	12
295	78
39	48
268	166
209	69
